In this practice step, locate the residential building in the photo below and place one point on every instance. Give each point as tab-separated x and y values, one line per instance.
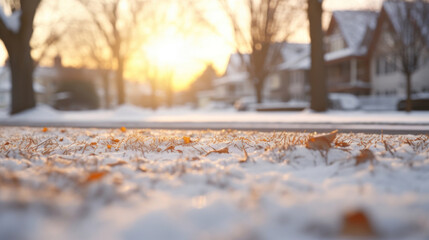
387	78
346	42
285	82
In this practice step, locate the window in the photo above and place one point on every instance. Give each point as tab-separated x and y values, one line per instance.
335	42
275	82
386	64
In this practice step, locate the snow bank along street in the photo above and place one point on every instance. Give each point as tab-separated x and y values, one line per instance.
135	117
162	184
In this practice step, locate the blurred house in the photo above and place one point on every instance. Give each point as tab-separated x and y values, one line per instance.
287	80
386	76
204	82
48	81
347	41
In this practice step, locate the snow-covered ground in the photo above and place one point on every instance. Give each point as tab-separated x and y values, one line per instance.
132	116
165	184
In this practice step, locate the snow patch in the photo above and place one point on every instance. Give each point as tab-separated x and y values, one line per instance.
13	21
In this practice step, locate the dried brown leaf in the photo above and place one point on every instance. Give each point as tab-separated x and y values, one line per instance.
357	224
118	163
322	142
223	150
95	176
365	156
187	140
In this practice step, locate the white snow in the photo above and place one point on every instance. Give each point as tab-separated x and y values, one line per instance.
13	21
354	24
134	116
284	190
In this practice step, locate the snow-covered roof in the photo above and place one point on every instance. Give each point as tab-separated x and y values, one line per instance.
354	25
233	78
235	64
296	56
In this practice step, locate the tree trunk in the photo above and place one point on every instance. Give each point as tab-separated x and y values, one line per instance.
259	88
106	83
409	105
21	69
318	90
153	100
120	81
169	95
20	62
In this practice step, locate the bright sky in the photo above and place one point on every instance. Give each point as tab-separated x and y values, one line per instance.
189	56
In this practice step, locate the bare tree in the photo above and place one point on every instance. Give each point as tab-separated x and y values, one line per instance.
16	36
116	22
412	39
260	28
48	32
82	44
318	89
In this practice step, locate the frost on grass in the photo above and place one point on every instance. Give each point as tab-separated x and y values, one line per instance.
159	184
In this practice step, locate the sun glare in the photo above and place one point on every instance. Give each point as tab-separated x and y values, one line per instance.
166	52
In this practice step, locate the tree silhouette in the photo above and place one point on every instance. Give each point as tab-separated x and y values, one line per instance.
318	91
16	36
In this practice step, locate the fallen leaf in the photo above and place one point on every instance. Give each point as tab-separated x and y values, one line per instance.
109	146
357	224
118	163
61	139
123	129
45	129
223	150
342	144
364	156
322	142
93	143
170	148
115	140
142	169
95	176
186	140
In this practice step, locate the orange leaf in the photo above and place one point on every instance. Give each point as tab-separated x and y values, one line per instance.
223	150
93	143
186	140
170	148
109	146
118	163
357	224
95	176
115	140
365	156
45	129
123	129
322	142
342	144
142	169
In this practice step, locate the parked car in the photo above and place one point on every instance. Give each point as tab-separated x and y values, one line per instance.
419	104
245	104
343	101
